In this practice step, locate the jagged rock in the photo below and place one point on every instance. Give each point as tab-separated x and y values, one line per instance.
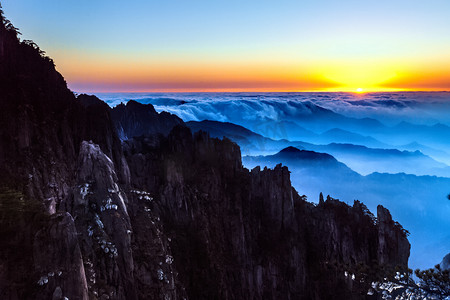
244	234
393	247
102	220
58	260
445	263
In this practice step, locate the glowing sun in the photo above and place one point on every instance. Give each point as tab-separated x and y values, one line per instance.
359	90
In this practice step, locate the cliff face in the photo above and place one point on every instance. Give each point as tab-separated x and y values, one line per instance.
167	216
248	235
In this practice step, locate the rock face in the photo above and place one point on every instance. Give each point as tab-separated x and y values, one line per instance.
248	235
99	207
166	216
391	242
134	119
115	231
445	263
58	258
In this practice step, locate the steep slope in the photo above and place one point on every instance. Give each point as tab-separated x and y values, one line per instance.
248	235
445	263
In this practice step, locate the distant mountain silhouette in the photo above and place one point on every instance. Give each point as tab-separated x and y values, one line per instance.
375	159
290	150
249	141
337	135
135	119
437	154
307	161
435	136
383	160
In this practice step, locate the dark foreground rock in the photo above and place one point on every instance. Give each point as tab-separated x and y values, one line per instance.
238	234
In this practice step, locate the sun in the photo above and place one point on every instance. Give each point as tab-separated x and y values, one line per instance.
359	90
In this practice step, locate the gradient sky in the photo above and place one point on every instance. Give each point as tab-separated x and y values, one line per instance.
199	45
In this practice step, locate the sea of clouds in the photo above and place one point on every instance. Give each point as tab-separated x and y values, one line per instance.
390	108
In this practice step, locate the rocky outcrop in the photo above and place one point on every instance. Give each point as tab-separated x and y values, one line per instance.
103	225
445	263
134	119
58	260
125	251
249	235
392	244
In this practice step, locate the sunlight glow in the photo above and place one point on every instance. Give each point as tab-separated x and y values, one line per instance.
359	76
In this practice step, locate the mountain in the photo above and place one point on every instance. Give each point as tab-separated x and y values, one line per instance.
301	159
383	160
431	136
418	202
165	215
445	263
439	155
135	119
312	172
249	228
251	143
337	135
375	159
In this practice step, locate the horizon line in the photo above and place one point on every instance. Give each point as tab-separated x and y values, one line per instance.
262	91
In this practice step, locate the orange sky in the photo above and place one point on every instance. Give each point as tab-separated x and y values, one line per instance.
285	45
117	74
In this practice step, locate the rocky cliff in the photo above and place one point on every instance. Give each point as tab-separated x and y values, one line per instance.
445	263
240	234
169	215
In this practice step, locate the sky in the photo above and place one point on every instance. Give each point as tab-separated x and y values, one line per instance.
283	45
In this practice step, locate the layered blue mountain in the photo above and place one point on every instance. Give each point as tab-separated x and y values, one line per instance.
303	162
419	202
337	135
367	160
362	159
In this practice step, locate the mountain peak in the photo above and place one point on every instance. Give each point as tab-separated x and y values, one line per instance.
290	149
